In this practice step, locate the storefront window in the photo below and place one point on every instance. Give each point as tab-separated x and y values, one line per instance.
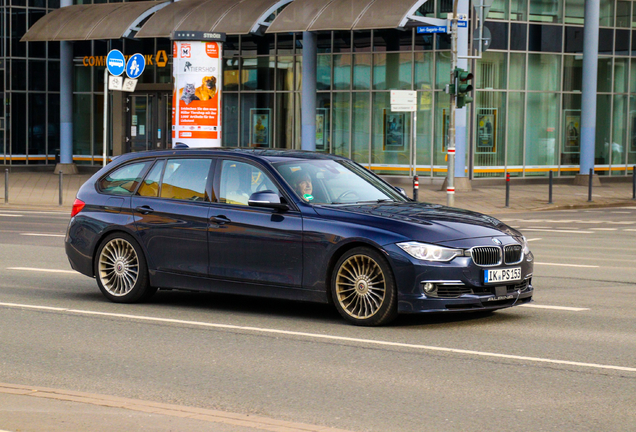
515	133
423	71
623	13
442	117
606	16
518	10
81	124
342	72
391	137
341	123
604	80
257	120
619	134
285	73
491	71
323	72
230	119
442	69
490	133
323	122
544	72
621	81
542	132
257	73
37	125
603	131
631	139
360	127
498	10
570	154
424	130
574	11
362	71
549	11
392	71
517	79
284	121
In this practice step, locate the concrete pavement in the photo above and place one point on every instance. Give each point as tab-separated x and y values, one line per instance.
41	190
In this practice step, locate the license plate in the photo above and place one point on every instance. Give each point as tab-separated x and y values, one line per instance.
502	275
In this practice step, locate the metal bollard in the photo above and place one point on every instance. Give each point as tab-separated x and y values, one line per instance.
6	186
61	200
507	189
589	193
416	187
550	188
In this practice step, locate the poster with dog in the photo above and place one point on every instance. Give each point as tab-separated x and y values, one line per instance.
196	99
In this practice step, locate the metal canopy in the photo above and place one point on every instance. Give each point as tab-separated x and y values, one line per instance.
221	16
87	22
317	15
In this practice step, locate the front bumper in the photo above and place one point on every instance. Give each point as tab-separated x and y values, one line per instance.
460	285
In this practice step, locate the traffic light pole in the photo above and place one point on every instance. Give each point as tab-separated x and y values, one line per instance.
450	179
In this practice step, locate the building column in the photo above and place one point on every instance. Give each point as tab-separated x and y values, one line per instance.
588	99
308	95
462	182
66	164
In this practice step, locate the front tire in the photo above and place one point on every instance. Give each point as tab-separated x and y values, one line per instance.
363	288
121	270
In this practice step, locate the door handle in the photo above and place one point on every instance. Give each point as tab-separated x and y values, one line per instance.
220	219
144	209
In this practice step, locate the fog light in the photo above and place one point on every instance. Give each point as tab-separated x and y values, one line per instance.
429	287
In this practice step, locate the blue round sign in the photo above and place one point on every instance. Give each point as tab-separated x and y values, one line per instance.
136	65
115	62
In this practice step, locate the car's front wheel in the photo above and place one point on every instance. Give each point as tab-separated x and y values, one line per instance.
121	270
363	288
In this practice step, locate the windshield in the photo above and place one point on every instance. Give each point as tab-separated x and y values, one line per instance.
335	182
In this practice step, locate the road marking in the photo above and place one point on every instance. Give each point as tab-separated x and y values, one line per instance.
10	215
630	229
42	270
563	308
323	337
42	235
567	265
604	229
558	230
534	239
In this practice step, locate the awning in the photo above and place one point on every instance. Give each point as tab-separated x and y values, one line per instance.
96	21
316	15
222	16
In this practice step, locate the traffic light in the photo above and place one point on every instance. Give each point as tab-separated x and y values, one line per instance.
463	87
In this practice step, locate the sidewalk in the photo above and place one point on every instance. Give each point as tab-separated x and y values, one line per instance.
40	190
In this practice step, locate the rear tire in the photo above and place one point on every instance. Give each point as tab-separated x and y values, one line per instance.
363	288
121	270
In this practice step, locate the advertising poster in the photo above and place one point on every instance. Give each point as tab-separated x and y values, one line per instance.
196	99
487	130
260	128
321	129
572	130
394	131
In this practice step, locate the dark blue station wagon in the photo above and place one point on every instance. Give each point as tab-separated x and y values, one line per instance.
289	224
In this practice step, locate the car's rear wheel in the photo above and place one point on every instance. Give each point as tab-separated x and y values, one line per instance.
363	288
121	270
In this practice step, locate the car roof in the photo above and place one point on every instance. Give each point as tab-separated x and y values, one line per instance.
271	155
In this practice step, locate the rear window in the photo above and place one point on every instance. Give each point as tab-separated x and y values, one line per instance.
124	180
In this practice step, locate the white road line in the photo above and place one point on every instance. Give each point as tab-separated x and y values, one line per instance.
630	229
563	308
567	265
534	239
42	235
604	229
325	337
43	270
10	215
558	230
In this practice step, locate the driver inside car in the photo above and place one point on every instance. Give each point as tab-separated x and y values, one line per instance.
301	181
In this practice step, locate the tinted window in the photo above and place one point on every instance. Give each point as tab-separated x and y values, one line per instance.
150	186
240	180
124	180
185	179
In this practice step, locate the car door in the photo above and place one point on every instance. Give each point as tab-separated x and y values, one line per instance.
171	215
247	243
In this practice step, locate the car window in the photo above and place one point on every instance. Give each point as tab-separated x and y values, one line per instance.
185	179
150	186
239	180
124	180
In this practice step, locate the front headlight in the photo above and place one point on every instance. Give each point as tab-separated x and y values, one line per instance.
429	252
526	249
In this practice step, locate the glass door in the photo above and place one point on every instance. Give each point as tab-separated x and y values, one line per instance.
140	132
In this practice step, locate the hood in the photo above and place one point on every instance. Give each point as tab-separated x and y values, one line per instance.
436	223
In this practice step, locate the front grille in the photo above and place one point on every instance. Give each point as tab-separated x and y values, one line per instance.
452	291
512	254
486	255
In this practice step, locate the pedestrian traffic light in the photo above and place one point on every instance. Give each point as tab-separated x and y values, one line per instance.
463	87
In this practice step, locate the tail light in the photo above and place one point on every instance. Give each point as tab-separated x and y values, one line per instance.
78	205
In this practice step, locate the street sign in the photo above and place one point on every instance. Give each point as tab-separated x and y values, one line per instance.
404	108
485	42
136	65
462	24
129	85
115	82
402	96
432	29
115	62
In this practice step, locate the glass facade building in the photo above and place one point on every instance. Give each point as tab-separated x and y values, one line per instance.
525	118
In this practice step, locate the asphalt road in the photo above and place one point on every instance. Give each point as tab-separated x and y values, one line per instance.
566	362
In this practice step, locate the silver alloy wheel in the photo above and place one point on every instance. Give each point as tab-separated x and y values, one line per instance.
360	286
118	267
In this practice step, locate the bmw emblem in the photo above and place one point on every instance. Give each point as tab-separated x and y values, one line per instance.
496	241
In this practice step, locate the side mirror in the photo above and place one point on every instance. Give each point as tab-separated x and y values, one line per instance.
267	199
